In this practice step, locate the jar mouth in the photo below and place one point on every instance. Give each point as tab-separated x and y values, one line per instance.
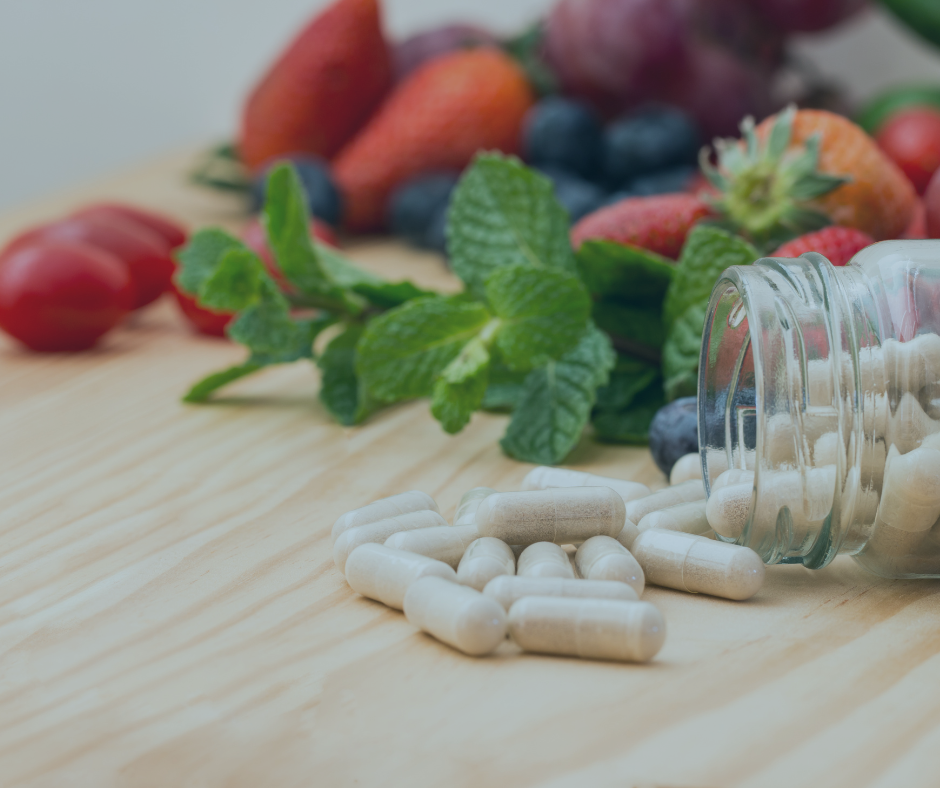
767	393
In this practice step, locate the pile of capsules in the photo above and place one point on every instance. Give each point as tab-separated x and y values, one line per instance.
501	569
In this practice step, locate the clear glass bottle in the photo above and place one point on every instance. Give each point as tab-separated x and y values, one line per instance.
822	385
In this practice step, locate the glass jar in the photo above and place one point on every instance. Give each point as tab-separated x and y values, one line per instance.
819	408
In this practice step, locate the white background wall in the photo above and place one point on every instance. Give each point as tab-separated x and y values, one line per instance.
88	86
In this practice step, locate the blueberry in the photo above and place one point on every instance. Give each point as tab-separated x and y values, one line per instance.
416	203
675	179
674	432
559	132
326	203
657	138
577	196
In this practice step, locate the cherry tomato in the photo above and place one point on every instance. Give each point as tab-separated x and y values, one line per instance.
171	232
205	321
911	138
58	295
146	254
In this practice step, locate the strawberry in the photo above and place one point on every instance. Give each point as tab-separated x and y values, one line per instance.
802	170
836	244
437	119
917	229
322	88
659	224
911	138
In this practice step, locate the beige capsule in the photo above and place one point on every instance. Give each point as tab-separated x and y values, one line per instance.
682	493
627	534
466	513
908	424
485	559
379	531
698	565
445	543
686	517
728	508
384	574
559	515
544	559
603	558
544	478
382	509
687	468
507	590
913	364
589	628
456	615
733	476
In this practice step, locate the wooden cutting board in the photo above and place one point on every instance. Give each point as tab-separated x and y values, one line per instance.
170	614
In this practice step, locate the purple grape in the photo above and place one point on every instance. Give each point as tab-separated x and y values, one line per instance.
422	47
807	16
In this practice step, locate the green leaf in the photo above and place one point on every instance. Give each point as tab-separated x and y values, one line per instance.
629	378
200	256
502	213
205	387
236	282
405	349
631	425
681	352
631	326
340	388
373	288
708	251
542	313
557	402
631	274
460	388
505	389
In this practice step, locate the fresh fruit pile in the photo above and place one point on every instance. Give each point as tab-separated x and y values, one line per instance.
607	98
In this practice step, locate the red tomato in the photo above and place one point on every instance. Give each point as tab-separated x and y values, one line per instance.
205	321
146	254
911	138
57	295
932	206
171	232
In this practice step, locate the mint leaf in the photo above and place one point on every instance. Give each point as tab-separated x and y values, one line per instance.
542	313
633	328
502	213
460	388
200	256
373	288
235	283
631	274
629	378
557	402
402	351
632	424
340	389
708	251
205	387
505	387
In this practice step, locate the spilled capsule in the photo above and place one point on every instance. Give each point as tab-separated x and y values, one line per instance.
508	589
379	531
394	505
382	573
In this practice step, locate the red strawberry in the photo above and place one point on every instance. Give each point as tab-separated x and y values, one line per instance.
917	229
322	88
437	119
836	244
658	223
911	138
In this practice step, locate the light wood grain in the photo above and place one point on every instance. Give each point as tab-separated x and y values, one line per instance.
170	614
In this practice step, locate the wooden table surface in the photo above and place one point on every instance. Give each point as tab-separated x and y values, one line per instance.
170	614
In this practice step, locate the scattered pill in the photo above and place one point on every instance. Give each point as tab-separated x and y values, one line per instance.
506	590
682	493
687	468
698	565
559	515
456	615
485	559
379	531
686	517
733	476
590	628
384	574
445	543
603	558
467	508
382	509
728	508
544	478
627	534
544	559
